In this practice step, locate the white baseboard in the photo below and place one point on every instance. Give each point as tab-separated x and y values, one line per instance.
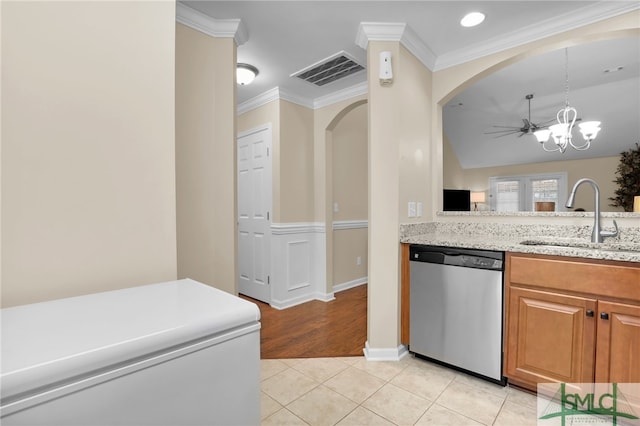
350	284
384	354
284	304
325	297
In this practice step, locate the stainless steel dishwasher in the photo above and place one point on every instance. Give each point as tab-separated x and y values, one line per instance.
457	308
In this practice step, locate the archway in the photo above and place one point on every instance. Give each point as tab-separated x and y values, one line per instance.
349	223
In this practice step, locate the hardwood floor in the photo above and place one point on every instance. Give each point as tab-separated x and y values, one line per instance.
315	329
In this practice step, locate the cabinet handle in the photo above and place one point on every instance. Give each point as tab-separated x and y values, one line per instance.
589	312
604	315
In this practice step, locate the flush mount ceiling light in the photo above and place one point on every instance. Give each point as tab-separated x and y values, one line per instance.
245	73
472	19
561	133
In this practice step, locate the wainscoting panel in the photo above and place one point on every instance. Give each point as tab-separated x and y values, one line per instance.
298	264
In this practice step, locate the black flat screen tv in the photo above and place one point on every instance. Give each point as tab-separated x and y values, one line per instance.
456	200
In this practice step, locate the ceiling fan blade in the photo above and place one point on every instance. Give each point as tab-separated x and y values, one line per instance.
545	122
507	127
507	134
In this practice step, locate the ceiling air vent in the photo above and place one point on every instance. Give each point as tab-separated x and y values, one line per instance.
330	69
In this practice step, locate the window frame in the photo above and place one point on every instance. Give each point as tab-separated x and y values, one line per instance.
525	194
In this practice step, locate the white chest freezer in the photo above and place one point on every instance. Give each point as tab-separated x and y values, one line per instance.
174	353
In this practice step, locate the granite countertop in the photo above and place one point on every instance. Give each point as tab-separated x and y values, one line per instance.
572	241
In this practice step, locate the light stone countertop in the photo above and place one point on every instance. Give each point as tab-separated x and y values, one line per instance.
555	240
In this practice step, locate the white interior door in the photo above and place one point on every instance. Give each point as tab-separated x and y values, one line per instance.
254	211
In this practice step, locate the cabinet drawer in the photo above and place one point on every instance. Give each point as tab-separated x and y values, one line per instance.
569	274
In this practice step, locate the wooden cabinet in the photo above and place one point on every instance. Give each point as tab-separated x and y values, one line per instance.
618	343
571	320
551	337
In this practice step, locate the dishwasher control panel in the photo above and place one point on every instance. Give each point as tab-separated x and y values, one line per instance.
480	262
468	258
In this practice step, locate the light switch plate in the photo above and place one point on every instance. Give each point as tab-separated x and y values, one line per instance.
412	209
419	209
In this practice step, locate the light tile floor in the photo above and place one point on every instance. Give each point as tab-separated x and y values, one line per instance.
353	391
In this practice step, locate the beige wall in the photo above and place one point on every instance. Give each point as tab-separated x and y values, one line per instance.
349	162
349	188
348	245
414	137
453	174
399	158
88	193
296	163
206	158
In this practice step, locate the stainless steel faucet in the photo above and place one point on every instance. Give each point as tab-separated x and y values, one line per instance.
597	235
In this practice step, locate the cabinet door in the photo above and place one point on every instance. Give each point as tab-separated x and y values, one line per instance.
550	337
618	344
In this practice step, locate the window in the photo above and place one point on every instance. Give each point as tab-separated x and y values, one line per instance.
528	192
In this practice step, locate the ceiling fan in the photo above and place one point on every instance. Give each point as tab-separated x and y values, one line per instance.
527	128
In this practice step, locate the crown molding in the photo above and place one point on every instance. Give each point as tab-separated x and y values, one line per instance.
557	25
296	99
418	48
400	32
341	95
260	100
278	94
379	31
224	28
273	95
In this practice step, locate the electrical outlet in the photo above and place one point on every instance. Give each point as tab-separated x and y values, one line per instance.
419	209
336	209
359	260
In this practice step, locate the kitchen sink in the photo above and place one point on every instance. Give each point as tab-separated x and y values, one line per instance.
583	244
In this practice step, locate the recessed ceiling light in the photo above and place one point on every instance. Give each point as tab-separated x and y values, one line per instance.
472	19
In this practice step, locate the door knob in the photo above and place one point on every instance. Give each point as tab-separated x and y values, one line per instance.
604	315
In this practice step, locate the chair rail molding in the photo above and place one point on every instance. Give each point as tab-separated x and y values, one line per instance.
350	224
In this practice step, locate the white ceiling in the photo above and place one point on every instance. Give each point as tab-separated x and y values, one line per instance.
286	36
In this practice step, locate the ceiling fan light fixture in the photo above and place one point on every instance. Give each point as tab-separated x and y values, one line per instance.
542	135
567	116
472	19
589	130
245	74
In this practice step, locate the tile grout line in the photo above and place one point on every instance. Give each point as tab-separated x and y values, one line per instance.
385	381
